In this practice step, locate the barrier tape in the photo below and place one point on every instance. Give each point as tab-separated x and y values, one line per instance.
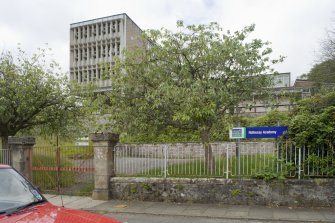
68	169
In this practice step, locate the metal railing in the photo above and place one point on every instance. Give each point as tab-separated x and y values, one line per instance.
5	156
306	161
255	158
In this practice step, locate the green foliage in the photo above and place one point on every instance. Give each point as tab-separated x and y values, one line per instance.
323	165
313	122
272	118
269	174
169	135
186	80
323	72
147	186
235	192
180	187
35	96
133	188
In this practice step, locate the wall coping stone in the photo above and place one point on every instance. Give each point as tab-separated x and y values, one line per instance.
104	136
317	181
21	140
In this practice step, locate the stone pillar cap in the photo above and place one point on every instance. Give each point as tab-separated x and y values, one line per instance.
12	140
104	136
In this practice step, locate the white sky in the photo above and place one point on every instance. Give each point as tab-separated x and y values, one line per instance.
295	27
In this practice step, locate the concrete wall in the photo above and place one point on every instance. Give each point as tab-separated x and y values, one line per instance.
193	149
317	192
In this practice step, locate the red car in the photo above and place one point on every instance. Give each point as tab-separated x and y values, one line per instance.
21	202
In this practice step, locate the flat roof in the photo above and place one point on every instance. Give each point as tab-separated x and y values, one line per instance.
102	19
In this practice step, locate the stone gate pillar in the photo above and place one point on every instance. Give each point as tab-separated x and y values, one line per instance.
103	145
22	154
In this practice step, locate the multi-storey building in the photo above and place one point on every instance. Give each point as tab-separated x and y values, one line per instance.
94	44
281	97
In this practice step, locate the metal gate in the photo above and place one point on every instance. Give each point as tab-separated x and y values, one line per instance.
64	170
5	156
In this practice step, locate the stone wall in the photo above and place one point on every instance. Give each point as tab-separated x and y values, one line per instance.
315	192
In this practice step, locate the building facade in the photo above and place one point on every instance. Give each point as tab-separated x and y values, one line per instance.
281	98
94	44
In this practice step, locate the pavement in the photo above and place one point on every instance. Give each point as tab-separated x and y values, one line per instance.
220	211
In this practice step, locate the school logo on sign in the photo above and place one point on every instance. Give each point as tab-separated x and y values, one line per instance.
237	133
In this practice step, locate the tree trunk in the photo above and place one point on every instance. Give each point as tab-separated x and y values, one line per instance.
209	159
4	142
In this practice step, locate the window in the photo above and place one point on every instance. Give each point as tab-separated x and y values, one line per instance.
118	26
76	33
94	52
113	27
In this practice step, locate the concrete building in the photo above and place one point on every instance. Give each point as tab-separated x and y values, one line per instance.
282	94
94	44
282	80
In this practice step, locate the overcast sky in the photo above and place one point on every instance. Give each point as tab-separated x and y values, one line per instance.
294	27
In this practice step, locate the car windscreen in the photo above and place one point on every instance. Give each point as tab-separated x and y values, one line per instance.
15	191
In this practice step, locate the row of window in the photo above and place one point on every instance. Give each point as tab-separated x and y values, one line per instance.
87	75
98	29
81	53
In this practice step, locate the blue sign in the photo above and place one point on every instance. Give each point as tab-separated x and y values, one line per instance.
265	132
237	133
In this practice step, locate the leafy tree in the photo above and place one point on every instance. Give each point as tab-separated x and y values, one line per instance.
323	72
34	94
190	80
313	122
272	118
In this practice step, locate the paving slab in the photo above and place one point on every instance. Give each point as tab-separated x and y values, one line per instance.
237	214
329	216
219	211
260	213
215	212
281	214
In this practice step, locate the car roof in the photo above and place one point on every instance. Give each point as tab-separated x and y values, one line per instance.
3	166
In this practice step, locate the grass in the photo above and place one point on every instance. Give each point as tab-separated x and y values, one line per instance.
250	164
87	189
67	152
77	152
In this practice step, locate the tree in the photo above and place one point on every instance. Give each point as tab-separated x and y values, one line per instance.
272	118
328	45
190	79
33	94
323	72
313	121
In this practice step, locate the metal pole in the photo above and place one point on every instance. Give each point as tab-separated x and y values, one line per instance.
299	173
165	161
227	163
238	153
